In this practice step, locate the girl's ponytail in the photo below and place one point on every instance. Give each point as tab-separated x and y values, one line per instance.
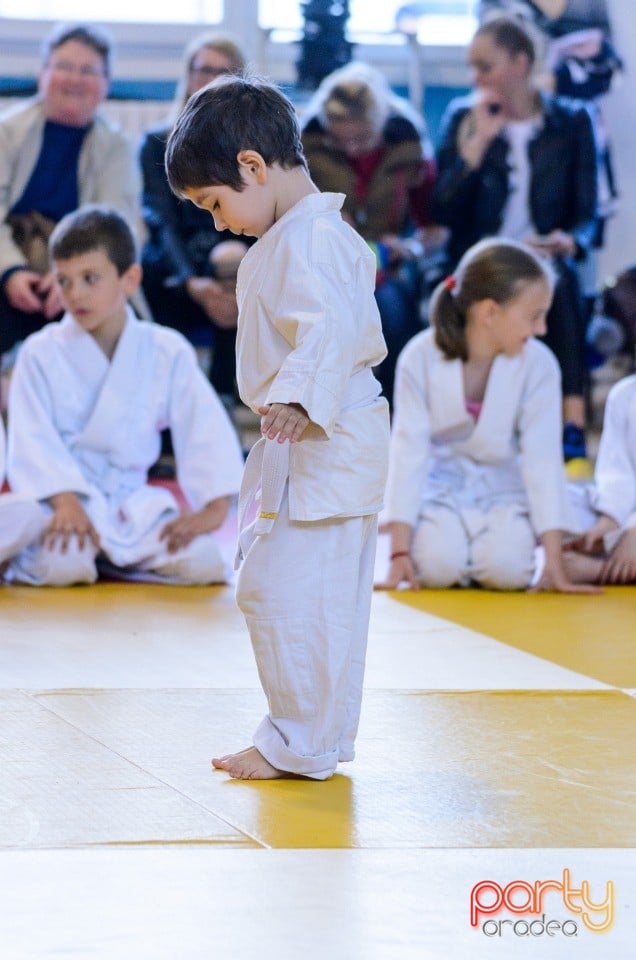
449	321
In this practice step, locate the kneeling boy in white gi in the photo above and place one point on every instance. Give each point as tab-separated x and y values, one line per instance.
89	397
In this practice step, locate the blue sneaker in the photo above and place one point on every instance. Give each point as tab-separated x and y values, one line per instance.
573	442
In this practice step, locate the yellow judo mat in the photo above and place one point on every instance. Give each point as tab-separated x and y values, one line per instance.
595	635
496	741
116	696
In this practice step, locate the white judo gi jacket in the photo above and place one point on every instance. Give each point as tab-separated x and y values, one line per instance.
511	455
305	276
614	489
79	422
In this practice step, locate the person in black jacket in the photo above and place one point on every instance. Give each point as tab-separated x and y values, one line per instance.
520	164
179	279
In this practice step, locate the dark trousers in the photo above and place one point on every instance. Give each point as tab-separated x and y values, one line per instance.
566	322
398	303
15	325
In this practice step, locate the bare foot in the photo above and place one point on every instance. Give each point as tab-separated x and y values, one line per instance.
248	764
581	568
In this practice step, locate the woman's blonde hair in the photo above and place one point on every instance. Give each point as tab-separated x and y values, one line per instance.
358	91
492	269
220	42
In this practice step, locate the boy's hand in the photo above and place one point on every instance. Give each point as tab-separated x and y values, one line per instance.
182	531
69	518
620	566
287	421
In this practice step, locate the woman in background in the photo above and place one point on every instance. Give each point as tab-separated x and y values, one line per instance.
517	163
362	140
179	282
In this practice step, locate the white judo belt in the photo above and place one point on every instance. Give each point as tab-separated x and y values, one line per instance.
264	478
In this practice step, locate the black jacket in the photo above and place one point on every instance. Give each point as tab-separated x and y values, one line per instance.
180	234
562	179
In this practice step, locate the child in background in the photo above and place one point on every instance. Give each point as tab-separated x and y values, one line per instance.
308	335
606	552
476	471
89	397
21	520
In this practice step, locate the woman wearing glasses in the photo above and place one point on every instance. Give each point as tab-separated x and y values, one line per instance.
180	281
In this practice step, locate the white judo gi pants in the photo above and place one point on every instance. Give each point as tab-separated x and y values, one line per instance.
21	523
461	545
305	590
198	564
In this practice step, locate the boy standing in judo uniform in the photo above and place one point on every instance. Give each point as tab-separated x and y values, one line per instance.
308	336
89	397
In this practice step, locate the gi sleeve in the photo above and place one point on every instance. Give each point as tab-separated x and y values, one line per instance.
539	425
615	474
314	309
39	464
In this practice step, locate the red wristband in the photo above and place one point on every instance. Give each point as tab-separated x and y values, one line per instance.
400	553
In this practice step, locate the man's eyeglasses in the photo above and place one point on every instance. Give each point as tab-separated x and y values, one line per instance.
85	70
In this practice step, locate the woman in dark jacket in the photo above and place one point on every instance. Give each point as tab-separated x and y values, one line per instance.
179	283
519	164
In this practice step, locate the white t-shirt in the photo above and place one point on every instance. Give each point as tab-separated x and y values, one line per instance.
517	220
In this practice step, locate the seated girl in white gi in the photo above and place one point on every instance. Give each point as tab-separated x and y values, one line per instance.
21	520
606	552
476	472
88	400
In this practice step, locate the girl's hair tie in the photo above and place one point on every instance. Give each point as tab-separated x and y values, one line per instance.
450	282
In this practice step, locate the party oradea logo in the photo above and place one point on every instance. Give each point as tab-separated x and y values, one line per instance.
538	903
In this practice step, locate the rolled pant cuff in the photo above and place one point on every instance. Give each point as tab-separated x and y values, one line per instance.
269	742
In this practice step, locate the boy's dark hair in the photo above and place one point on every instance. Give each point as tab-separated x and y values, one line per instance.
94	227
229	115
98	40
